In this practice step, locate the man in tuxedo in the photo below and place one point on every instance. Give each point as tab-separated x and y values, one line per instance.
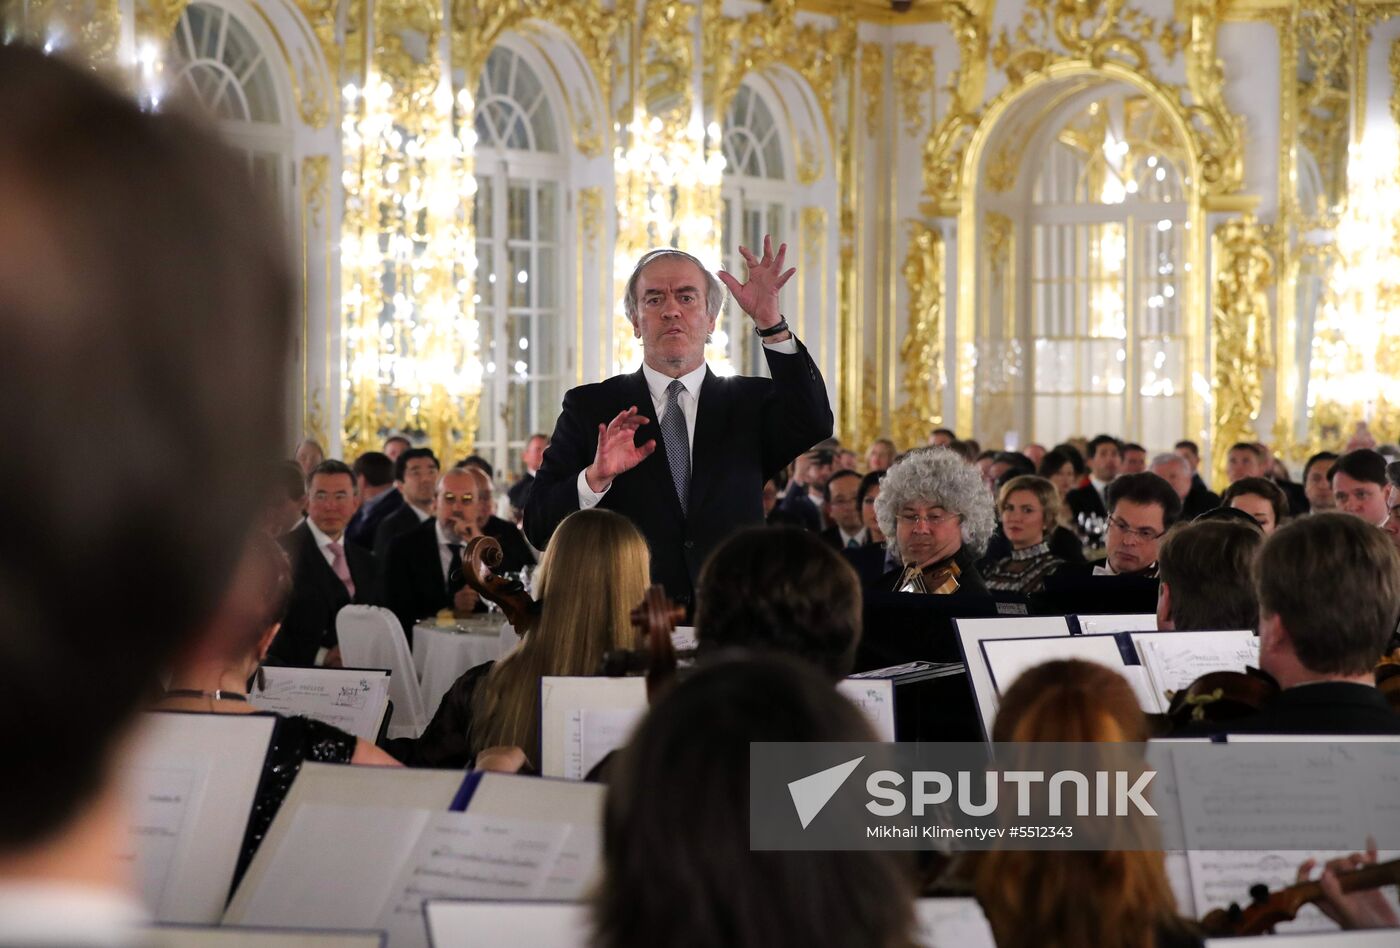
1104	457
422	571
1329	595
328	573
804	501
681	451
379	497
1141	509
847	530
532	457
1317	482
515	552
416	476
1176	471
1360	486
1207	577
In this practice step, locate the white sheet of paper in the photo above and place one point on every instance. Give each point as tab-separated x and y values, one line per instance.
1009	659
683	637
562	735
190	788
971	632
200	936
592	734
1107	625
508	924
1174	660
874	697
952	922
466	856
1381	938
332	868
353	700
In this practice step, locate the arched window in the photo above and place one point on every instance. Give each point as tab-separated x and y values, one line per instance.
215	61
757	200
519	170
1105	336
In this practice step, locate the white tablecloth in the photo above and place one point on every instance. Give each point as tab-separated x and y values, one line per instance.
442	653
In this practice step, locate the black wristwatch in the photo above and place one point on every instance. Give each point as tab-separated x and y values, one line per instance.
780	326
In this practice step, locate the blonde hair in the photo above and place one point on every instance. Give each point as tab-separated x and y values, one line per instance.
1044	492
595	571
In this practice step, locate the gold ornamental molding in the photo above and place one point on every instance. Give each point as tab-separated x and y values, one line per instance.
914	78
921	352
1240	332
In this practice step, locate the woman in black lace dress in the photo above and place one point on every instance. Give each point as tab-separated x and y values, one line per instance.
214	680
1028	507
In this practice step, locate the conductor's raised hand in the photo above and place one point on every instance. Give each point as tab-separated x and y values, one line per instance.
758	296
618	451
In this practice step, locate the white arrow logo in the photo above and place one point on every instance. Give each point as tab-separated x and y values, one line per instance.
812	793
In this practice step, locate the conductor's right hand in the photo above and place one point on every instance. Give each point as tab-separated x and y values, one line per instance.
617	451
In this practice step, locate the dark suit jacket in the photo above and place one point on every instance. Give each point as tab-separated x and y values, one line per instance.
832	536
746	430
362	528
869	563
413	584
515	552
401	521
1198	500
317	595
796	503
1086	500
519	492
1297	497
1329	707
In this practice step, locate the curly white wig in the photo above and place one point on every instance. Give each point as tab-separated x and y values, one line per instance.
938	477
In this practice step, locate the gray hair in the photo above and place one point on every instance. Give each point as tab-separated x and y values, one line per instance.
714	290
1171	459
939	477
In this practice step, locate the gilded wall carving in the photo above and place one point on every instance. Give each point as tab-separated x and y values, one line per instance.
921	352
913	77
872	85
1240	332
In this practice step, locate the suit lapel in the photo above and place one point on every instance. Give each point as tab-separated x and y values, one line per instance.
711	422
656	467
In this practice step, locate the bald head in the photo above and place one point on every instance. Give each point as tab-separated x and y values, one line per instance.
462	495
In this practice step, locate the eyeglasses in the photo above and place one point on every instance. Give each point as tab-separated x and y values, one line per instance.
933	520
1142	534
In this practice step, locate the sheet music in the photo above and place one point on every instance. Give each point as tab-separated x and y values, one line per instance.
578	866
876	699
683	637
1174	660
353	700
1219	877
1107	625
509	924
466	856
1008	659
893	671
972	632
192	936
960	922
160	809
592	734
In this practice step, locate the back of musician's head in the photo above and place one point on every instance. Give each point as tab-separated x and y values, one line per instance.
678	867
1334	582
144	307
594	573
1038	899
780	589
1208	569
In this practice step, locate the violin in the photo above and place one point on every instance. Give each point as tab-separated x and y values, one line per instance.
1221	697
482	554
654	619
942	581
1267	909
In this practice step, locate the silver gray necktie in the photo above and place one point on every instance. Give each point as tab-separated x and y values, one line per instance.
677	444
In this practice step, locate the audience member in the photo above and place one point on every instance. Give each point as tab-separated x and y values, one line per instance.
1176	471
1029	509
532	456
1090	500
681	788
1009	464
782	591
806	491
1275	470
1036	452
478	462
1192	453
1076	458
395	446
309	454
962	449
379	498
1329	597
1392	502
845	460
327	573
1134	459
1207	577
942	438
937	516
1045	899
286	501
870	561
516	554
422	572
1259	497
983	463
1057	468
847	530
145	304
1316	482
215	677
416	476
881	455
594	573
1141	508
1245	459
1359	485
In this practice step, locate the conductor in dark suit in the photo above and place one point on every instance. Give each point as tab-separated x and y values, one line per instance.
681	451
328	573
423	566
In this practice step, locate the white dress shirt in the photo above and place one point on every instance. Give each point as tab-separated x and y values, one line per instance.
445	551
64	913
324	542
1102	488
860	536
688	402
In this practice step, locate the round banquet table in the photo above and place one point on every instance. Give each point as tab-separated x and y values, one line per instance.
442	651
